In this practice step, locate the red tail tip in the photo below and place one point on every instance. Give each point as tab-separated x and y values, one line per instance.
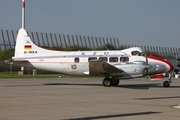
23	4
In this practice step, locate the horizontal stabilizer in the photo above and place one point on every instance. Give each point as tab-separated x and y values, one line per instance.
12	61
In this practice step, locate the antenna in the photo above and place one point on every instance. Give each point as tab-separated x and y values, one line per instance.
23	13
106	47
23	22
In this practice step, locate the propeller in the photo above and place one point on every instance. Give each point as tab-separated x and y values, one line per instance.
171	75
146	69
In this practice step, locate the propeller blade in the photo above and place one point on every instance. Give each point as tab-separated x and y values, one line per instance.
146	73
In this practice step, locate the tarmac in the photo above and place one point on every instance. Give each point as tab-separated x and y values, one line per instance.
88	99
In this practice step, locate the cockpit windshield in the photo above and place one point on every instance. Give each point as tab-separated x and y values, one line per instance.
137	53
143	53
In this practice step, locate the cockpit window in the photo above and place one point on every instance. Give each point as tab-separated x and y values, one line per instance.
136	53
124	59
143	53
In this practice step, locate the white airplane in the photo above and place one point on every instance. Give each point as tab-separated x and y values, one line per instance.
113	64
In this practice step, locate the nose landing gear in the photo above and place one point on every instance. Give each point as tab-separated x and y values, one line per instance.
167	83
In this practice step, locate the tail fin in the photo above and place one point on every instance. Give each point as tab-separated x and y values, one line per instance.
19	48
26	48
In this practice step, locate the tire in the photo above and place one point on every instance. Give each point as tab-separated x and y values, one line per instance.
114	82
166	84
106	82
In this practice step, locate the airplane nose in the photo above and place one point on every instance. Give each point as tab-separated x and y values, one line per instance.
168	65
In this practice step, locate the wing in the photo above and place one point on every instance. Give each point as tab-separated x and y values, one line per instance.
99	67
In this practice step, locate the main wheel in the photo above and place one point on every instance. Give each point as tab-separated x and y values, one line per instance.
106	82
166	83
114	82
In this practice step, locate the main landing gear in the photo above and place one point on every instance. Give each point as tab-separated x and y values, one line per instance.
107	82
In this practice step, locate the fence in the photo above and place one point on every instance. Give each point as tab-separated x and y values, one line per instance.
8	39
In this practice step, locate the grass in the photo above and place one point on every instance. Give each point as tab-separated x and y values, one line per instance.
3	76
15	75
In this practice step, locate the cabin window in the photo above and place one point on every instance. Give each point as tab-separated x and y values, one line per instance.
76	60
113	59
124	59
105	59
92	58
136	53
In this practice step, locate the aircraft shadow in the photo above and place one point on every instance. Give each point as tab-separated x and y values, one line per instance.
72	84
139	86
146	86
129	86
157	98
114	116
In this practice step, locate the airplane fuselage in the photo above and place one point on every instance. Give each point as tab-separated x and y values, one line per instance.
77	62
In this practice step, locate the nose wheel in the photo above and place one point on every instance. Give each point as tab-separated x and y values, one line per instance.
167	83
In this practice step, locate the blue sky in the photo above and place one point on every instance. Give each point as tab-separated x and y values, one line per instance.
133	22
